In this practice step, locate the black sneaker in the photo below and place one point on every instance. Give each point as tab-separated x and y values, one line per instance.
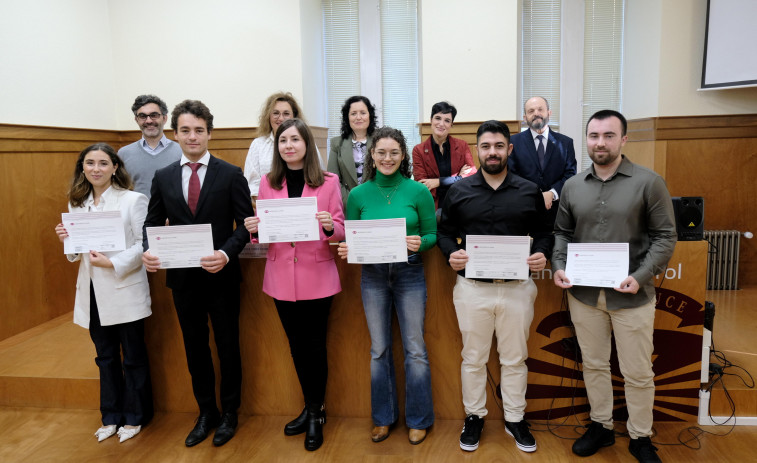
595	437
643	450
522	435
471	433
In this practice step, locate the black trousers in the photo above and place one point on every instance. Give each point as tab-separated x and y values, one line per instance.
125	387
193	306
305	325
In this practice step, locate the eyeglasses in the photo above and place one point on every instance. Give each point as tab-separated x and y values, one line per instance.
279	114
388	154
143	117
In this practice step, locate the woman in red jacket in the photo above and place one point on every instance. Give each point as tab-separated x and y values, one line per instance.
441	160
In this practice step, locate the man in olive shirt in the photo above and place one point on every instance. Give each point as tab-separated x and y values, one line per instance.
615	201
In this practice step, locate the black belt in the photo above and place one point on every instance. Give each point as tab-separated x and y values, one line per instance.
492	280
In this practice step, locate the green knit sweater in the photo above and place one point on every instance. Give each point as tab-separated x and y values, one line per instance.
394	197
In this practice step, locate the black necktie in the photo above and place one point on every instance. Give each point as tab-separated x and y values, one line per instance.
540	150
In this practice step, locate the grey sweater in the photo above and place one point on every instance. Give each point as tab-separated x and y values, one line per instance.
142	165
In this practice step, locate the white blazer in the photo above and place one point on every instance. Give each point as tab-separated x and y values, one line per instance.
122	292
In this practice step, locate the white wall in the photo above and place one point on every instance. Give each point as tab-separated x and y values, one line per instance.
229	54
56	64
81	63
664	46
641	56
313	76
469	55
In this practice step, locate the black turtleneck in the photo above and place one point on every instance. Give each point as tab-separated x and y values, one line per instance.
295	182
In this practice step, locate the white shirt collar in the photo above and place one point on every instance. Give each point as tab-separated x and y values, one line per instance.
544	134
204	160
90	201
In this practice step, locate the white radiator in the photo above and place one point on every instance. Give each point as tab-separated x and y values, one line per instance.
723	262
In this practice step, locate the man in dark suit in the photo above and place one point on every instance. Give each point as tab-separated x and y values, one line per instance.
200	189
543	156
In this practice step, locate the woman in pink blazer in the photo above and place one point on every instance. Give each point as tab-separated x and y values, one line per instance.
301	276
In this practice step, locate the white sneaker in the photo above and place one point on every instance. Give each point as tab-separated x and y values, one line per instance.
127	433
105	432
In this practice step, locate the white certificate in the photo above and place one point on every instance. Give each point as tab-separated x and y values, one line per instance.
93	231
254	251
288	219
498	257
376	241
181	246
604	265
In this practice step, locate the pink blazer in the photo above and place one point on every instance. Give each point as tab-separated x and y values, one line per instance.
305	269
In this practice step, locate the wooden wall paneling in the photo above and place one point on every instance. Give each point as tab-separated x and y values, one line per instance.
709	156
642	153
722	171
37	166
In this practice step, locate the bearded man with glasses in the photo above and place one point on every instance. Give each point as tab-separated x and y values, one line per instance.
154	150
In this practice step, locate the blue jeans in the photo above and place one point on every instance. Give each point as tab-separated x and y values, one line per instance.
404	285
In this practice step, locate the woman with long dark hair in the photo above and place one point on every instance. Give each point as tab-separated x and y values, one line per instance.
301	277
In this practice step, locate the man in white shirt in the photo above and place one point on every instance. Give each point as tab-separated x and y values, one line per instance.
212	290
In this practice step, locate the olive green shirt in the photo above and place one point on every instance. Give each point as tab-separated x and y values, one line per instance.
632	206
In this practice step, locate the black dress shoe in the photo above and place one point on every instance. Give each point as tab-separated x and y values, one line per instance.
297	425
314	431
595	437
226	429
205	422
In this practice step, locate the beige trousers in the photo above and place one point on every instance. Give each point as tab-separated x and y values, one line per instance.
633	330
483	309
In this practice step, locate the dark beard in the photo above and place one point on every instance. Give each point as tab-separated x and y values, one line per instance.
494	170
537	125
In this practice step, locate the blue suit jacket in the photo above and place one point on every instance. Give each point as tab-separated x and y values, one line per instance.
559	164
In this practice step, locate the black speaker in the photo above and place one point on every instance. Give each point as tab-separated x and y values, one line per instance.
689	213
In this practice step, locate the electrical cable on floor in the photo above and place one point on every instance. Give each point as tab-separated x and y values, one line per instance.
694	432
718	371
552	427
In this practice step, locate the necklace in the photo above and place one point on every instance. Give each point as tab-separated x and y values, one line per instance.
390	195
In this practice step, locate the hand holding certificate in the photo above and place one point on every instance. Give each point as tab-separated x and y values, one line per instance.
93	231
181	246
604	265
288	219
498	257
376	241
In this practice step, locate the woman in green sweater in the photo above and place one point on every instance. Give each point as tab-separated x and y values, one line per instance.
387	192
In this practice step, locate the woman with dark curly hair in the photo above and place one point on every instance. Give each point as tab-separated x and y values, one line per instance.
387	192
348	149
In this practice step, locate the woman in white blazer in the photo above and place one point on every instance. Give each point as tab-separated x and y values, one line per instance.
112	293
